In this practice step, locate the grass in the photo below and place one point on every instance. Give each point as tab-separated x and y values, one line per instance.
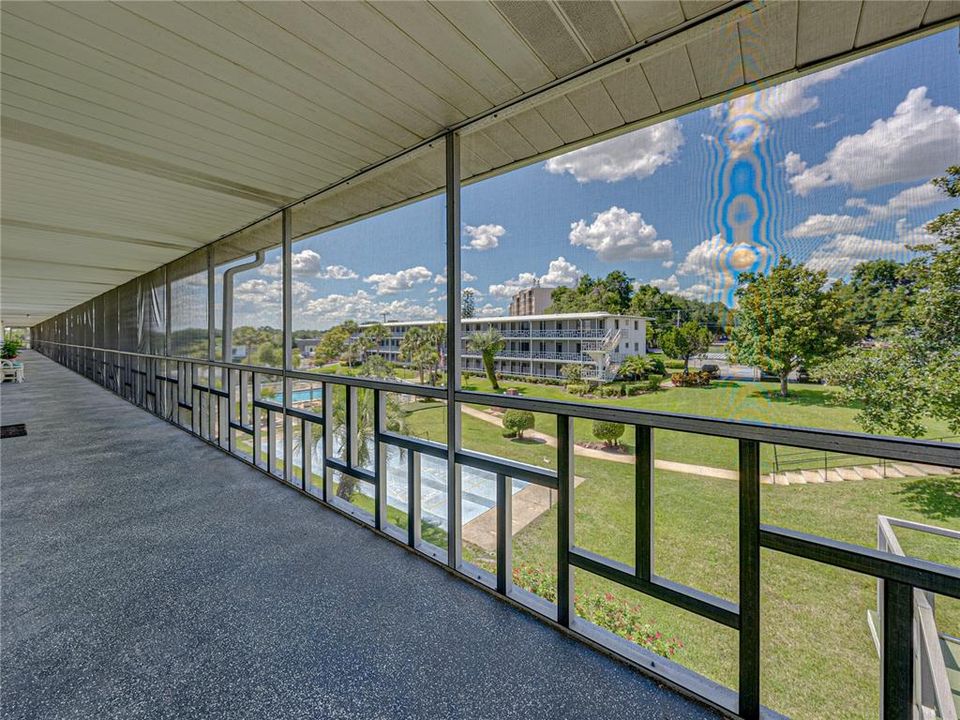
808	406
818	656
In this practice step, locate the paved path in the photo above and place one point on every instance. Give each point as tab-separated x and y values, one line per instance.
148	575
704	470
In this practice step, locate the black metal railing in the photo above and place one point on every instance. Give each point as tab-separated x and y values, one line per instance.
224	403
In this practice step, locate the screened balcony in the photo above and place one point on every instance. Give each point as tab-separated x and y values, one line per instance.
202	521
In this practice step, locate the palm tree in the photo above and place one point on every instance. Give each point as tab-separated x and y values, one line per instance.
636	366
419	349
487	343
395	422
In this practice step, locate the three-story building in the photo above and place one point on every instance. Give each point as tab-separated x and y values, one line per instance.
540	345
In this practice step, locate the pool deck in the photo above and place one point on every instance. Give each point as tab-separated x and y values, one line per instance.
146	574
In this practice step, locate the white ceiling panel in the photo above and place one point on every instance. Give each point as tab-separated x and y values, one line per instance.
135	132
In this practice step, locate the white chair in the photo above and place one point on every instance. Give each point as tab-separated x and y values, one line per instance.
11	371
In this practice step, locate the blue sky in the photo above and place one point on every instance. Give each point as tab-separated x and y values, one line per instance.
831	169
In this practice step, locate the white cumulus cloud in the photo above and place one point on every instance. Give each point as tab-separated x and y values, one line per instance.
390	283
337	272
636	154
667	285
617	234
914	143
715	256
441	279
332	309
483	237
819	225
841	254
560	272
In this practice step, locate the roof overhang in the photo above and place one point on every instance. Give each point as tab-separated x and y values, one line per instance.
134	133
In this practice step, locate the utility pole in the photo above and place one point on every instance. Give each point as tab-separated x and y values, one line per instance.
677	321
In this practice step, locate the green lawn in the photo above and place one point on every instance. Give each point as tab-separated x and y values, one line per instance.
818	657
808	405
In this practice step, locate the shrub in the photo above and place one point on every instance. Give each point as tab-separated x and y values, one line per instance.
612	390
516	421
609	432
657	365
634	389
653	382
605	610
698	378
578	389
670	364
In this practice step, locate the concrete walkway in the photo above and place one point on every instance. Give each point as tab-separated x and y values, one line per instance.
704	470
148	575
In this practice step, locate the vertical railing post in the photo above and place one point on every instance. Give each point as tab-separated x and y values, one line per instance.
306	454
644	547
565	469
452	165
749	579
327	390
413	498
350	426
896	665
286	321
379	461
504	533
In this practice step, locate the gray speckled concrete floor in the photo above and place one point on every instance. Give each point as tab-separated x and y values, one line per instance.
147	575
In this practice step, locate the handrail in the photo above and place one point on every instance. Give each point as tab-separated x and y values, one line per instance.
168	387
933	668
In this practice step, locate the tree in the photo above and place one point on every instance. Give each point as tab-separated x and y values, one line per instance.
609	432
786	320
417	348
334	342
487	343
572	373
636	367
878	296
375	366
468	304
370	338
914	374
682	343
610	294
516	421
267	355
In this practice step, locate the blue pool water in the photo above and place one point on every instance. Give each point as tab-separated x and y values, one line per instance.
307	395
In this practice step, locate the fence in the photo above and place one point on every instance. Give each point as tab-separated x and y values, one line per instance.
223	403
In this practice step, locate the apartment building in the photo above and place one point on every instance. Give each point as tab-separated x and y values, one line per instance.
540	345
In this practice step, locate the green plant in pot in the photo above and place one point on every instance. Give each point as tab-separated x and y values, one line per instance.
11	347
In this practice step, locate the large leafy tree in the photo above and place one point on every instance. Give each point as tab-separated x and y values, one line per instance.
334	341
913	375
609	294
878	296
787	320
682	343
487	343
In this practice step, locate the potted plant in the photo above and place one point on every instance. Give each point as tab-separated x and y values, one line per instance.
11	346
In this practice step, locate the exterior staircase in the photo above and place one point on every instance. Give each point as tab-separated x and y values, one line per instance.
855	472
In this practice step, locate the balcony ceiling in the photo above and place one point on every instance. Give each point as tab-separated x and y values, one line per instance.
133	133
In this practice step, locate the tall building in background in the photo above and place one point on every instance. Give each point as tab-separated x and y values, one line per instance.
532	301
